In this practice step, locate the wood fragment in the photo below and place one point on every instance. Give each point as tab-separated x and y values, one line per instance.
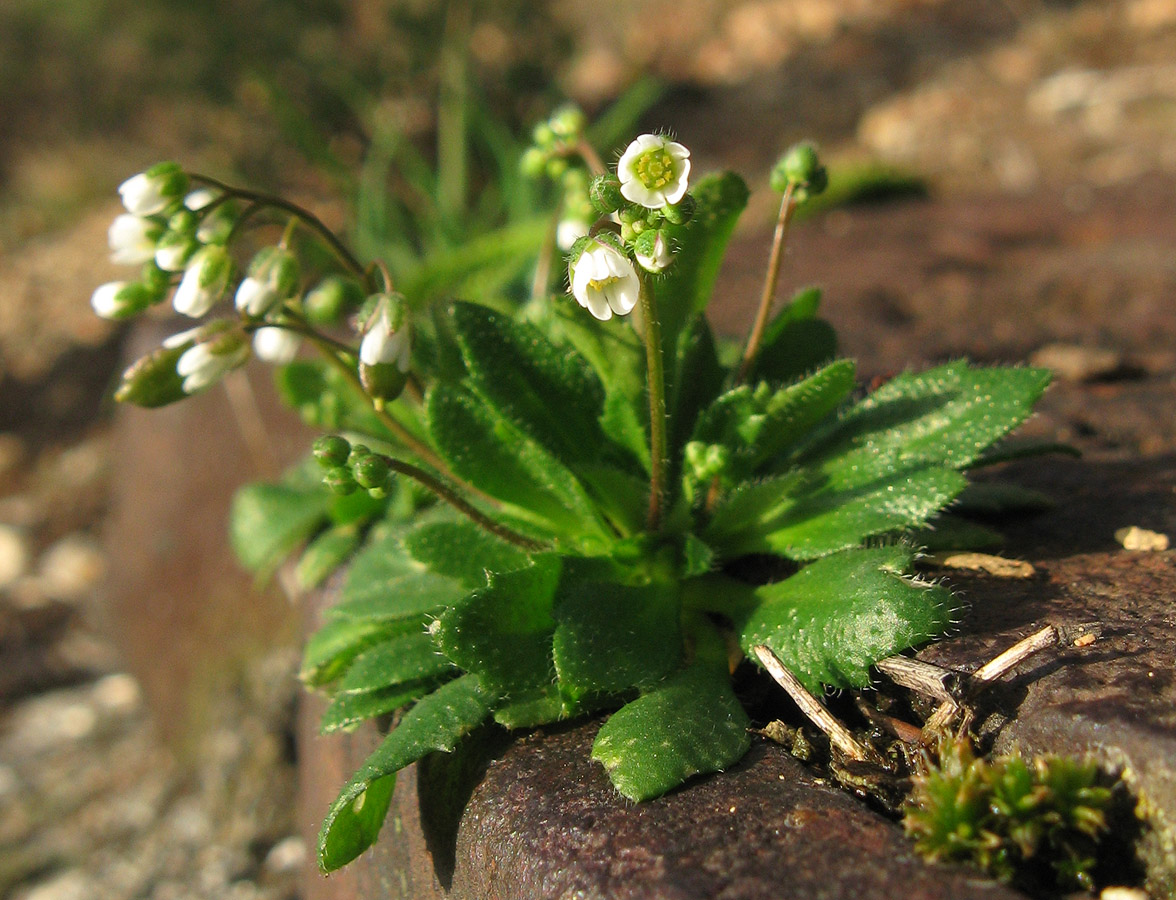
924	678
837	733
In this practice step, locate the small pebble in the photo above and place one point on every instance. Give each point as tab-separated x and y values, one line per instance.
71	568
14	555
71	885
1122	893
1136	538
1073	362
286	857
984	562
118	693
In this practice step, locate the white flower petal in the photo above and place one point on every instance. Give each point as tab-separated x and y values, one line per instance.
105	299
130	241
276	345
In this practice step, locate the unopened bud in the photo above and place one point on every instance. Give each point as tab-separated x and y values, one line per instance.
153	381
371	472
605	194
681	212
801	168
332	299
568	122
121	299
155	190
331	450
339	480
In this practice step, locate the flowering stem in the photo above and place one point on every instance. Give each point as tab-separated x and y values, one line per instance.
787	207
591	157
337	246
443	491
655	374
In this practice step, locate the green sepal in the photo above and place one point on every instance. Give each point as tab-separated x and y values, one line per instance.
838	616
437	722
690	724
152	381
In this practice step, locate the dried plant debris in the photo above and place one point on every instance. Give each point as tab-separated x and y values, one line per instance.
1136	538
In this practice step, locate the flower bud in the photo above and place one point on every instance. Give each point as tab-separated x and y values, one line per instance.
570	230
155	190
132	239
331	450
276	346
681	212
216	225
605	194
273	278
652	251
206	362
568	122
198	199
371	472
543	135
205	281
556	166
174	250
331	299
533	162
121	299
155	280
386	336
340	482
801	168
153	381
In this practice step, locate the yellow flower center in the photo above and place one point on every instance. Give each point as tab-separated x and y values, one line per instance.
654	168
601	284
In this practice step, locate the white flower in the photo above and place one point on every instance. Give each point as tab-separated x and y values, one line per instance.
654	171
204	282
383	344
657	257
200	198
569	231
276	345
254	297
120	299
206	363
153	191
131	239
604	281
173	252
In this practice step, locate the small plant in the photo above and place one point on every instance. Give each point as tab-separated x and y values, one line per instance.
550	506
1036	823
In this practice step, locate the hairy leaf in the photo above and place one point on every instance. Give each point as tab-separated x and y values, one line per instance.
550	393
406	657
436	722
332	648
463	551
350	710
325	554
612	637
689	724
496	457
267	521
502	633
841	614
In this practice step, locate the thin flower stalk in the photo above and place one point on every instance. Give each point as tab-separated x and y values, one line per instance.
655	373
771	279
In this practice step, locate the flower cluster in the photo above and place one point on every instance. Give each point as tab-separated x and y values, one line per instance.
182	239
647	193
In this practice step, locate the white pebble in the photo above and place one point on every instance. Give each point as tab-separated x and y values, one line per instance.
286	857
71	567
14	555
1136	538
118	693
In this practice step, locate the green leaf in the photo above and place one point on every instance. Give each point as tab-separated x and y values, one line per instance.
759	424
550	393
612	637
948	532
685	289
841	614
463	551
701	381
502	633
624	423
537	708
267	521
497	458
945	417
795	342
436	722
386	583
324	555
354	826
332	648
406	657
324	399
690	724
349	710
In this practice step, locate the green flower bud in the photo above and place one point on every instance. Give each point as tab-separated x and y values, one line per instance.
801	168
681	212
533	162
359	452
155	190
384	382
184	221
118	300
331	450
332	299
556	166
568	122
339	480
630	214
153	381
605	194
174	250
543	135
155	280
371	472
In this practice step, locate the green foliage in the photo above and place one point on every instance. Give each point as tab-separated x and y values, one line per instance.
1036	823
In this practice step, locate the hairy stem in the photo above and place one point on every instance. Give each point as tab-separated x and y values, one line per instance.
591	158
310	219
443	491
787	207
655	375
